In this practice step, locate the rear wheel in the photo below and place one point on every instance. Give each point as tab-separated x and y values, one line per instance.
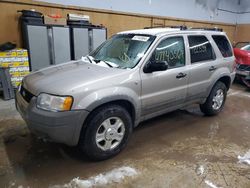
216	100
107	132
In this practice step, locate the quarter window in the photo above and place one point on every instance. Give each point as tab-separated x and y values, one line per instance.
223	45
171	50
200	49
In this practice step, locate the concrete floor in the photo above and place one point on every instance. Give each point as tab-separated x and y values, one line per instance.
179	149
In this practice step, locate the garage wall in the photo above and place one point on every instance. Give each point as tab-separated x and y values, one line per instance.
203	10
242	33
243	22
244	12
114	21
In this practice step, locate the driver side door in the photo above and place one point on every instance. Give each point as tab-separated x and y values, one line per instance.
164	91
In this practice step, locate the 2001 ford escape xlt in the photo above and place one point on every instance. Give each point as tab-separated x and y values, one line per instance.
96	102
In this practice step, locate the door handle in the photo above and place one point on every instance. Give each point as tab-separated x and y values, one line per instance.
181	75
212	68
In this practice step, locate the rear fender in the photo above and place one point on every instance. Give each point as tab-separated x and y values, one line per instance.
222	72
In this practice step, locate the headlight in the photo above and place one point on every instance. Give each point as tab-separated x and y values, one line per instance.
54	103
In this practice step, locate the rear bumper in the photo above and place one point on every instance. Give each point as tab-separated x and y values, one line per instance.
60	127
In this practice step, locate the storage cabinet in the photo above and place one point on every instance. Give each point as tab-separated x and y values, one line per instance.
86	40
38	46
99	35
60	45
81	42
52	45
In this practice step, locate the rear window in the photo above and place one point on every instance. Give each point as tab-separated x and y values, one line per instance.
200	49
223	45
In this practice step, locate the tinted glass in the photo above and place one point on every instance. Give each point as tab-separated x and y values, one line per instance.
171	50
200	49
223	45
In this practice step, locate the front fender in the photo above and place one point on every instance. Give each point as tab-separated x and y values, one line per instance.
103	96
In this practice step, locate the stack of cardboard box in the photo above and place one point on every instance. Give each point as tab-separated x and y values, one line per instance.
18	63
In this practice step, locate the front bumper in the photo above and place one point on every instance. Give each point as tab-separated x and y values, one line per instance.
60	127
243	70
243	74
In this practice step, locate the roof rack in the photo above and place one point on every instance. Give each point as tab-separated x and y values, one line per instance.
183	27
154	27
207	29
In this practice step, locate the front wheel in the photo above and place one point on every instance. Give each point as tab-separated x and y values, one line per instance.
107	132
216	100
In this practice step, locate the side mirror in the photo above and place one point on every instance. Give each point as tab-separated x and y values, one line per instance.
155	66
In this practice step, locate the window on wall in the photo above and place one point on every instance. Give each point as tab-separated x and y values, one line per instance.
200	49
171	50
223	45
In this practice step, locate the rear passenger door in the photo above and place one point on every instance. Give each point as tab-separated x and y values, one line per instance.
202	65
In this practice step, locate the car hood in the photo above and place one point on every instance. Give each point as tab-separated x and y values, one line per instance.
65	79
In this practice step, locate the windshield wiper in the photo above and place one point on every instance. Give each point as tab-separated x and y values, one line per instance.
90	60
98	61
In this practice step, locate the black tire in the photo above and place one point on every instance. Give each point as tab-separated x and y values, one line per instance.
87	142
207	108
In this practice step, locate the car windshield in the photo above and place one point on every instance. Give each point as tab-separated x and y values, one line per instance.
123	50
241	45
247	47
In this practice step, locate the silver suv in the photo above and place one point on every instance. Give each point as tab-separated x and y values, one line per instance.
95	102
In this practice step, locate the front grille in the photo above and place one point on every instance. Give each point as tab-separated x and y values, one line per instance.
243	67
26	94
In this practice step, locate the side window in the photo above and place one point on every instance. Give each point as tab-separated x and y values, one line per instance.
200	49
223	45
171	50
